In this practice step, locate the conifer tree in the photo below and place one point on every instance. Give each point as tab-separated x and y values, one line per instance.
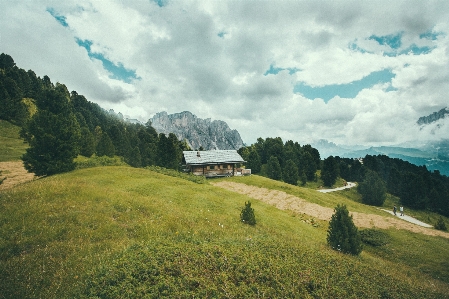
87	142
53	134
342	234
247	215
135	159
372	189
274	169
169	152
254	161
291	173
330	171
105	147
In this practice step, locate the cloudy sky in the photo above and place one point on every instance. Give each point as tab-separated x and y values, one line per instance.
351	72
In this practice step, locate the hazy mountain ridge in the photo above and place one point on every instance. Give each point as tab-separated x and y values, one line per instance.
434	155
196	131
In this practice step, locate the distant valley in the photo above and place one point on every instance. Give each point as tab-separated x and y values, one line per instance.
433	154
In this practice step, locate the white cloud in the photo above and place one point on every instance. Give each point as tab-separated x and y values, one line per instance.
210	58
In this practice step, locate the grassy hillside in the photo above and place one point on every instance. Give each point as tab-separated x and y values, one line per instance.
11	146
121	232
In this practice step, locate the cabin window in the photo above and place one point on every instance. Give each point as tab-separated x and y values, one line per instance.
225	166
212	167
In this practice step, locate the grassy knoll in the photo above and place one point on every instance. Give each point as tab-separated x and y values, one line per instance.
121	232
11	146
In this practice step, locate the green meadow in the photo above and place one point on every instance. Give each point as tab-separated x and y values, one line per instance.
123	232
11	147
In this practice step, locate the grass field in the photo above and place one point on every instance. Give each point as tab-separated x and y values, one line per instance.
11	147
121	232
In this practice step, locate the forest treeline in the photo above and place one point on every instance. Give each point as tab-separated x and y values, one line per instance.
416	186
60	125
277	160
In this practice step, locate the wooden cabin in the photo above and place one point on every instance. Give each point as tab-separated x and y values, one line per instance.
216	163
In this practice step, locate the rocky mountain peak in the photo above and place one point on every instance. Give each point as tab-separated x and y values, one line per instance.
198	132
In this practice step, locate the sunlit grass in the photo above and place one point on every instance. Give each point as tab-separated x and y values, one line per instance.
329	200
11	146
122	230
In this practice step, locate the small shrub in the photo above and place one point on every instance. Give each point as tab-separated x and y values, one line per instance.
342	234
440	225
247	215
374	237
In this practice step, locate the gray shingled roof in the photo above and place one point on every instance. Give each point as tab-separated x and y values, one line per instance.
212	157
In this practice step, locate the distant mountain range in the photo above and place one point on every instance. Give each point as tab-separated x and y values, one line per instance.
198	132
433	154
216	134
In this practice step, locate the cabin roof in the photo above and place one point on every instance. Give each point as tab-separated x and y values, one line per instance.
212	157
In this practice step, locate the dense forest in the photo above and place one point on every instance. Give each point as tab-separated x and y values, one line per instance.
415	186
60	125
289	162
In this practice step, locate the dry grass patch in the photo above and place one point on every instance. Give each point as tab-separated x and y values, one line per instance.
284	201
15	174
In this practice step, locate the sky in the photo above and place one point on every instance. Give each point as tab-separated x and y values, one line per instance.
350	72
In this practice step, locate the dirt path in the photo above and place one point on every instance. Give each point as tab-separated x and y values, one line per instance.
15	174
284	201
349	185
408	218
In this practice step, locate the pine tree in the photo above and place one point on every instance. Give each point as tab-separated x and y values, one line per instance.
330	171
135	159
247	215
342	234
53	134
291	173
105	147
254	161
169	152
274	169
87	142
372	189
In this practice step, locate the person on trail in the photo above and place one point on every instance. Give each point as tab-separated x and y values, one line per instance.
401	209
394	210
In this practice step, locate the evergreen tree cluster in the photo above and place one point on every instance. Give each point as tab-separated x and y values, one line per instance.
287	161
59	125
17	88
342	234
372	189
330	171
416	186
